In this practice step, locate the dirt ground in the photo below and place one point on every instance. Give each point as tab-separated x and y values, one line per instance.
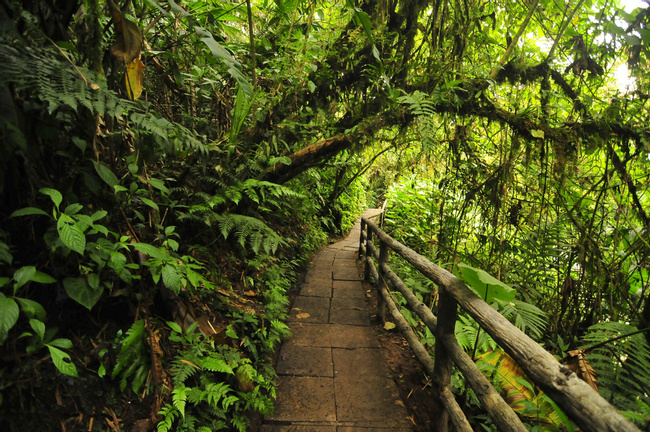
412	383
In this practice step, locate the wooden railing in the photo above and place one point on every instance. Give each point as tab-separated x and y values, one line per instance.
575	397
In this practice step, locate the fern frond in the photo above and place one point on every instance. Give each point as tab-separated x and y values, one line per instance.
215	392
132	347
179	398
215	365
169	413
622	365
240	423
527	317
45	76
251	229
181	370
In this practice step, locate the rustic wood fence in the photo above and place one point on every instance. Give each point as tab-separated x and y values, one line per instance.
575	397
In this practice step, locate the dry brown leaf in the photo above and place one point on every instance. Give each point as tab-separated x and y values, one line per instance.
189	363
577	362
303	315
57	396
144	425
128	42
244	382
157	370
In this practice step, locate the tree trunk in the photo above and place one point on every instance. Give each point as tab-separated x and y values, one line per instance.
306	158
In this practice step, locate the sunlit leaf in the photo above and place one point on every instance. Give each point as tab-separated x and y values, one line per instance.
135	78
487	286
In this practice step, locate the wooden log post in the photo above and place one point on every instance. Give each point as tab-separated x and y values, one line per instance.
381	280
443	365
365	241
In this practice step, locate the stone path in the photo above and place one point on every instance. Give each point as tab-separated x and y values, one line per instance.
333	376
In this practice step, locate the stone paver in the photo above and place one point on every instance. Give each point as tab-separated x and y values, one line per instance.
300	360
333	375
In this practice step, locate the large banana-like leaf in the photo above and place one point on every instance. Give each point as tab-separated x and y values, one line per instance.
521	395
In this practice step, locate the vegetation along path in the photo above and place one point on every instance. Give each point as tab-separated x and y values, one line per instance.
333	373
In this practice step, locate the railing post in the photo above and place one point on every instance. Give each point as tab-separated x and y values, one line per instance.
383	259
447	312
368	238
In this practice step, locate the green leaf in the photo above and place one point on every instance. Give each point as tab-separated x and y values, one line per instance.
62	361
5	254
54	194
632	40
44	278
175	327
158	184
117	262
8	316
73	208
80	143
71	234
171	278
23	275
28	211
106	174
173	244
150	203
81	292
31	308
100	214
487	286
312	86
93	281
151	250
61	343
537	133
38	326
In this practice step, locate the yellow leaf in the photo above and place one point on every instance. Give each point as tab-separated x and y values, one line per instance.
135	78
537	133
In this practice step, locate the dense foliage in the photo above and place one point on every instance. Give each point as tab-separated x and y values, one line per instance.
142	249
167	167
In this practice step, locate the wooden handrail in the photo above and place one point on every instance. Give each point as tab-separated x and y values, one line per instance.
574	396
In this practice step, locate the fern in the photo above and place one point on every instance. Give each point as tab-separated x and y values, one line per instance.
526	317
246	227
240	423
622	365
133	359
44	75
421	105
182	369
169	414
215	365
179	398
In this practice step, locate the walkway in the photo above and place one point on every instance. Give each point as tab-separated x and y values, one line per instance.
333	376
